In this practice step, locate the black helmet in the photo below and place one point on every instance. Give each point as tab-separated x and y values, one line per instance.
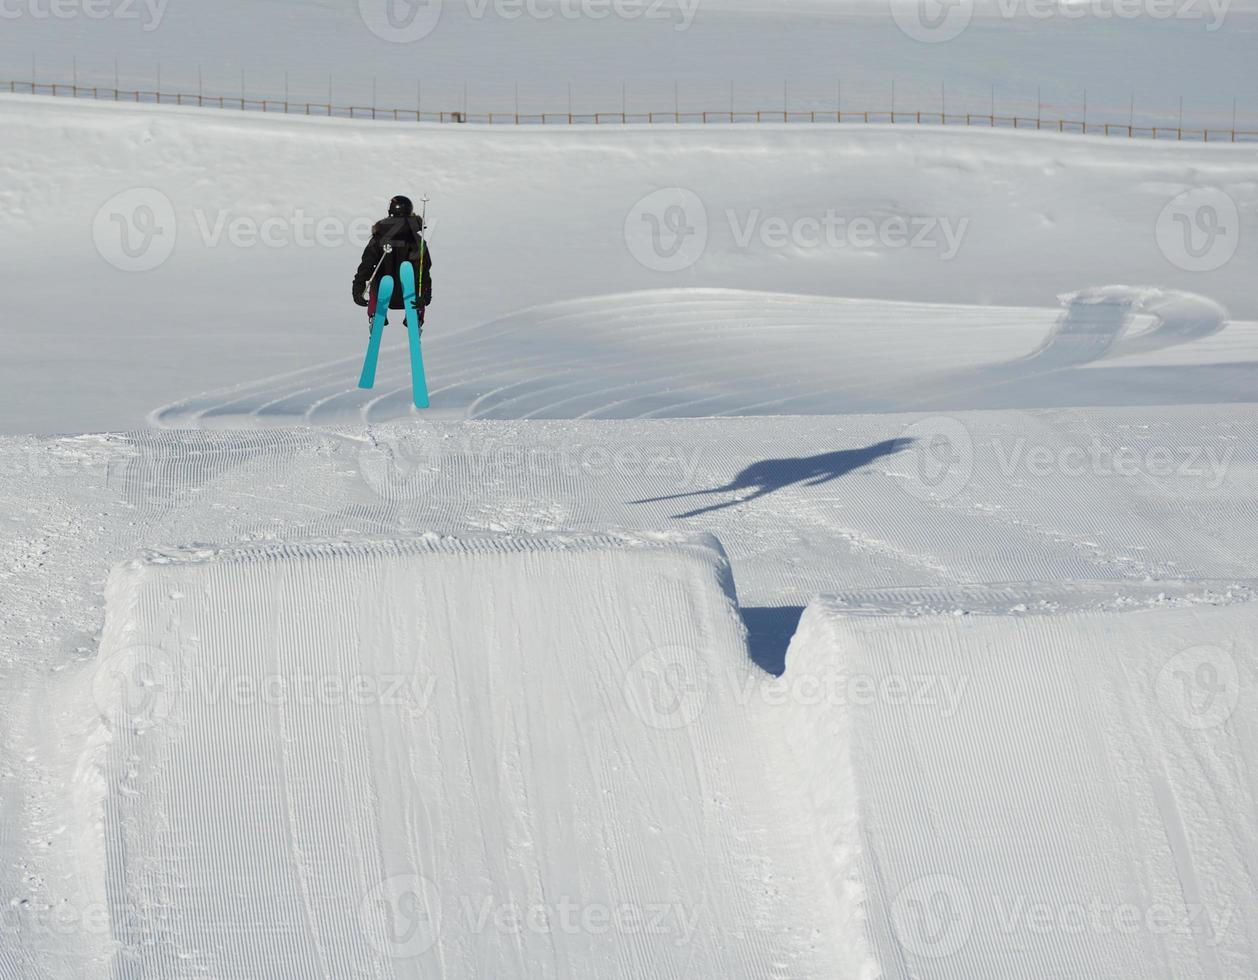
401	207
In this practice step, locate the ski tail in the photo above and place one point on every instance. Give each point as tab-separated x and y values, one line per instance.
419	383
384	296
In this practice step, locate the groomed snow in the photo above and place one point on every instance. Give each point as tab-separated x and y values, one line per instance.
1045	795
1083	611
534	272
478	757
1025	467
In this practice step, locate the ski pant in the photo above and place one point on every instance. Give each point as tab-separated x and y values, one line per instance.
397	296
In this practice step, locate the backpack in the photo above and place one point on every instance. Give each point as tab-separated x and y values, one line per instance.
401	239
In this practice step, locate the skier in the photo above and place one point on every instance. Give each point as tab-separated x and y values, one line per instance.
394	240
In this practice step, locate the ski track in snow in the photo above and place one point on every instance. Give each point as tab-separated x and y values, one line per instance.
694	353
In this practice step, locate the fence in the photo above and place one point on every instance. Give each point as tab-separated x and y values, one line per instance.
885	116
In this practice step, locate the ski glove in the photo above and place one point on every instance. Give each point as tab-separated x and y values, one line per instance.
360	296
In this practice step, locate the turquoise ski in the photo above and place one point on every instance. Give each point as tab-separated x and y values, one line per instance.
419	383
383	297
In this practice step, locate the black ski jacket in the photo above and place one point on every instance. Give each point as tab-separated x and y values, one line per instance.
406	242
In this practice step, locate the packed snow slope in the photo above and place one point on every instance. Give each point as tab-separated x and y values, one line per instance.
121	844
193	242
1016	449
705	352
448	757
1064	795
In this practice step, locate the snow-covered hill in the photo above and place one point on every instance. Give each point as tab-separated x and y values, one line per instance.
177	780
210	249
990	393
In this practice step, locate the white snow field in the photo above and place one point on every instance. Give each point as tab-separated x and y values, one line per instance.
1063	795
235	804
296	681
449	755
684	353
231	283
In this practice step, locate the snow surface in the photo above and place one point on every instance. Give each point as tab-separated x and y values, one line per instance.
1104	832
1026	471
1044	215
532	644
413	725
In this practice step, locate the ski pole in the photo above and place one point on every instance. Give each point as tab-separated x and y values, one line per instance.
376	272
423	242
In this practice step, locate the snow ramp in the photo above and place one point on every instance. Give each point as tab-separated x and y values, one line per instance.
1059	795
479	757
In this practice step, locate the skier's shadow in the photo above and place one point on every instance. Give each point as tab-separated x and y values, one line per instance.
771	475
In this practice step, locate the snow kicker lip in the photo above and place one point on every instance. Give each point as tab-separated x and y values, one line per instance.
513	723
431	544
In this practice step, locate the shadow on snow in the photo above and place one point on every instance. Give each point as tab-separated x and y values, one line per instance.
770	475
